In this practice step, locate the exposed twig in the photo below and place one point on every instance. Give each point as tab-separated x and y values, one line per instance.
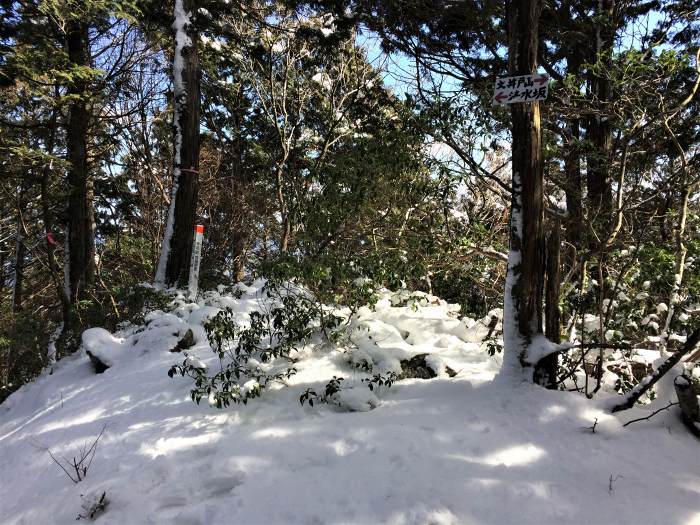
76	469
670	404
612	482
592	427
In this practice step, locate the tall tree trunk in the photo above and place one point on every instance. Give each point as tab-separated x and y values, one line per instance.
286	233
3	260
47	217
239	183
20	253
80	256
239	264
523	292
573	181
546	369
679	269
599	128
284	209
174	263
573	189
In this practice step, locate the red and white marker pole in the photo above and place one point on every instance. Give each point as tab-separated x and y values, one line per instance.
196	258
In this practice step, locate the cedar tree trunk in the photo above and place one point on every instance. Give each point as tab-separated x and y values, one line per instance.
174	263
523	301
80	258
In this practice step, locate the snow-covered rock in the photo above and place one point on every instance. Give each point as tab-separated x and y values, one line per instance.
101	346
355	399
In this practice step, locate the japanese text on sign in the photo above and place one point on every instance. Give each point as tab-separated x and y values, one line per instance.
525	88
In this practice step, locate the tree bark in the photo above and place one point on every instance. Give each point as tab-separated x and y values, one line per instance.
546	370
286	234
3	259
174	263
681	253
20	253
79	215
574	195
599	128
573	183
238	254
47	217
526	260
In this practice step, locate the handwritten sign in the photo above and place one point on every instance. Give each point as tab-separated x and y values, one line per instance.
525	88
196	258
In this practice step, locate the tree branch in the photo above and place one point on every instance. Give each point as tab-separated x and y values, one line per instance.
670	404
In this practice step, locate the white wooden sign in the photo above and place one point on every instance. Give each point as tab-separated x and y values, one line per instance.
196	259
525	88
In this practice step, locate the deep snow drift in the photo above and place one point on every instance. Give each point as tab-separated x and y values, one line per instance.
448	450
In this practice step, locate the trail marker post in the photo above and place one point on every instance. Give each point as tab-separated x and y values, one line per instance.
195	260
524	88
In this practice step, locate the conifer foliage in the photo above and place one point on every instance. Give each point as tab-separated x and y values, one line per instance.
335	143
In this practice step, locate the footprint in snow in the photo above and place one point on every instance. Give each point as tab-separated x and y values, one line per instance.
220	485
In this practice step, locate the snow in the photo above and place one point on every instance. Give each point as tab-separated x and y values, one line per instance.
279	47
356	399
462	450
540	347
103	345
213	43
681	381
323	79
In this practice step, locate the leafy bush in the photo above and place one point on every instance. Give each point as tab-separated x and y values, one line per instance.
244	352
330	278
23	343
130	305
135	302
335	385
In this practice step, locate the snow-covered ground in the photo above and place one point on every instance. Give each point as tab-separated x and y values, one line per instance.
467	449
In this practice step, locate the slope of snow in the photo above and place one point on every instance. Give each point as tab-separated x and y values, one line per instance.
445	451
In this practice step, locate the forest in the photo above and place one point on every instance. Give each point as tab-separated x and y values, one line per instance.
290	242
